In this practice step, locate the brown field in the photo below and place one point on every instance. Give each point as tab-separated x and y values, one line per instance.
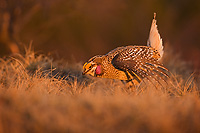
38	94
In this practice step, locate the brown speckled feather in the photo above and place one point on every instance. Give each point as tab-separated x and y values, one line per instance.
139	61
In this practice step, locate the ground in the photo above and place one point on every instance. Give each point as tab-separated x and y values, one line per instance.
38	94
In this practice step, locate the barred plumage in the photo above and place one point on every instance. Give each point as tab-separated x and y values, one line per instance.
131	62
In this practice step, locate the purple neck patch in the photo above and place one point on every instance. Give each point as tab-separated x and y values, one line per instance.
98	70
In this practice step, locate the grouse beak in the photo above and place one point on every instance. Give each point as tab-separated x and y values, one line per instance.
83	73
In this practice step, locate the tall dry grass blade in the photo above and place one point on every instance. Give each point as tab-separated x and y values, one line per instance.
188	83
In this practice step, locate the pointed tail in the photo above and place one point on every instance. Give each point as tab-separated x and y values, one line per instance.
155	40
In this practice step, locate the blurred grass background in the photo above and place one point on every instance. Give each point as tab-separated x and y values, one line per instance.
77	30
35	97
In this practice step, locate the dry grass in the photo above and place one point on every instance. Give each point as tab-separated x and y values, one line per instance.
36	97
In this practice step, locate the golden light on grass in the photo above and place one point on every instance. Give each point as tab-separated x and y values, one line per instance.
39	95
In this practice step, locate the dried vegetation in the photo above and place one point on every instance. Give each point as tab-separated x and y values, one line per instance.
38	94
